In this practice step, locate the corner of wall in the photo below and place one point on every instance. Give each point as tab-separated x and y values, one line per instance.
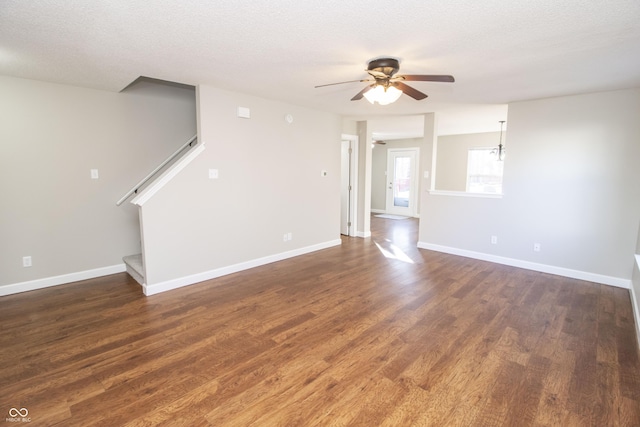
635	292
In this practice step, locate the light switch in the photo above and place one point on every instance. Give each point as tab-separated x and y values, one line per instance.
213	173
94	174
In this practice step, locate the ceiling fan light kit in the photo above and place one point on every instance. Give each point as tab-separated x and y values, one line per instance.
382	95
388	87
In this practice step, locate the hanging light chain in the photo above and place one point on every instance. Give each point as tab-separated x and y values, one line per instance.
501	149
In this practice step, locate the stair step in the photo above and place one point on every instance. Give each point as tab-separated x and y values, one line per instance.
134	267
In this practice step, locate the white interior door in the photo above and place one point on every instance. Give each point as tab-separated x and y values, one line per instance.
401	181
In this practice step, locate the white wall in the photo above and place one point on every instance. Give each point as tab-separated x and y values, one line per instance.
364	179
635	289
571	183
453	153
51	136
269	184
349	127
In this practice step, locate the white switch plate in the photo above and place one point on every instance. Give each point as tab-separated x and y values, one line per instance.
94	174
26	261
213	173
244	112
536	247
426	174
324	173
494	240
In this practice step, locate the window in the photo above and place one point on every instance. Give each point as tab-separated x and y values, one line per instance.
484	171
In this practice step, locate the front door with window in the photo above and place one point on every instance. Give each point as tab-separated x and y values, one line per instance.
401	181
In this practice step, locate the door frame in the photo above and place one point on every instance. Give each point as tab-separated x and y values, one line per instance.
414	188
353	181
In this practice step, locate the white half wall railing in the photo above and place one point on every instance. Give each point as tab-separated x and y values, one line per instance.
192	141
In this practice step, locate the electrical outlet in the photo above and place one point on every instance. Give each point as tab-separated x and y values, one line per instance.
285	238
289	236
536	247
95	174
494	240
26	261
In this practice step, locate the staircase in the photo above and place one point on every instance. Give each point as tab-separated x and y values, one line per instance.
134	267
151	184
160	168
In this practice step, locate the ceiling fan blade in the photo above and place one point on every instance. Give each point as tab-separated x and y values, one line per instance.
426	78
360	94
415	94
340	83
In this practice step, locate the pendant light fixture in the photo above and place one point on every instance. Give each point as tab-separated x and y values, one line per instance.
500	151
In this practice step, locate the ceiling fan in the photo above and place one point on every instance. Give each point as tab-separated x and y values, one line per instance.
387	86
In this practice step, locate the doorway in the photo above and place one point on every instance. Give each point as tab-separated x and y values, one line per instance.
402	184
348	184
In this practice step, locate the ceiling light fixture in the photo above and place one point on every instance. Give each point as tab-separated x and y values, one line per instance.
383	95
500	151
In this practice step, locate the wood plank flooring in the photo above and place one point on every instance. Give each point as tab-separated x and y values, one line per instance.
372	333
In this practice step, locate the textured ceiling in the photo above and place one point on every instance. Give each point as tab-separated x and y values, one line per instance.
498	51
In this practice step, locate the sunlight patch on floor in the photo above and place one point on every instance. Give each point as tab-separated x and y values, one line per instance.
394	252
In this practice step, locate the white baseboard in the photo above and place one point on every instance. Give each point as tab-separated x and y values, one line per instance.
60	280
544	268
363	234
155	288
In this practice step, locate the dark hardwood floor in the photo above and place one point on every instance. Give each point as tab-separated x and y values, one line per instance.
374	332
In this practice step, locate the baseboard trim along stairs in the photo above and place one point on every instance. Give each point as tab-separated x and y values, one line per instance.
134	267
